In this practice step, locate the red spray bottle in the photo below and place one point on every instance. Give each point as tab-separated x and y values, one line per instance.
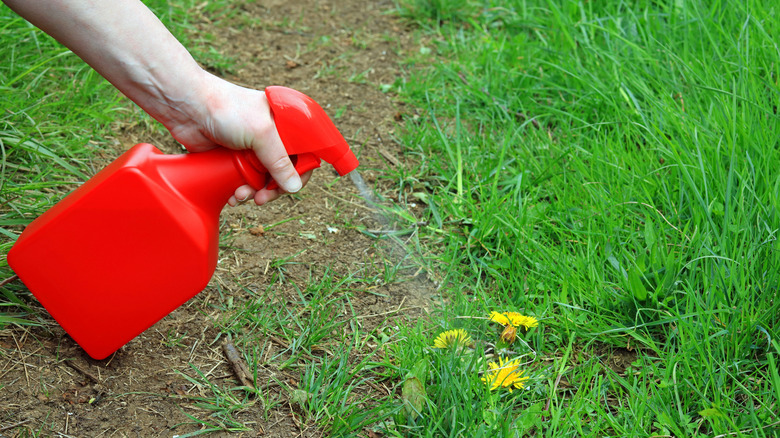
141	237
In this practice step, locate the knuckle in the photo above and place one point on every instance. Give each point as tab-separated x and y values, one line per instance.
281	165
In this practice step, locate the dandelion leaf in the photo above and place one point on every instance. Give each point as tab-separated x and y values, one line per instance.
299	397
413	395
635	282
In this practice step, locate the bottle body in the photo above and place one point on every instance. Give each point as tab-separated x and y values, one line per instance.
127	247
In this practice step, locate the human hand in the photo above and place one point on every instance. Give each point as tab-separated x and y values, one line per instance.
224	114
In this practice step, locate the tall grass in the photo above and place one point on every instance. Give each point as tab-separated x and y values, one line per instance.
609	167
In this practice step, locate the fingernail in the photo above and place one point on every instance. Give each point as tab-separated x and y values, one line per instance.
293	184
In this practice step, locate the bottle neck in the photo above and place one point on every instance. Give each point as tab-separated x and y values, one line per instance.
208	179
252	170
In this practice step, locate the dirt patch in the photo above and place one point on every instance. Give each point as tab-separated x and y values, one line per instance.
618	359
339	53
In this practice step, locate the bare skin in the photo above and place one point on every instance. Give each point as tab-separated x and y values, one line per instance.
126	43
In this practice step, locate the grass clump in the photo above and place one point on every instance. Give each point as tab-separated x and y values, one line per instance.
466	379
611	167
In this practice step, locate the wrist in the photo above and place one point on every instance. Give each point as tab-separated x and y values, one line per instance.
175	102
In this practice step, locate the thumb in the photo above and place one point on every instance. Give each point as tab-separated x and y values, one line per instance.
281	168
271	152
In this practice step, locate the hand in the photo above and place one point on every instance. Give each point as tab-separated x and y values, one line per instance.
224	114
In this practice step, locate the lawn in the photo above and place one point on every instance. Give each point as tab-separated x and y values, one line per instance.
600	216
609	168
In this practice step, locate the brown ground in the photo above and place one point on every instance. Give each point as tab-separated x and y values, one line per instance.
337	52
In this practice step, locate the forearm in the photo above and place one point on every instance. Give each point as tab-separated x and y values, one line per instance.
124	42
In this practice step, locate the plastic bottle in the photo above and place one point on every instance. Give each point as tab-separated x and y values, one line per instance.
141	237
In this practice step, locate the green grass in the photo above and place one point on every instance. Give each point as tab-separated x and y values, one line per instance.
607	167
306	334
610	168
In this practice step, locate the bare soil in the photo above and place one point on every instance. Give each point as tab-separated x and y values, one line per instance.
337	52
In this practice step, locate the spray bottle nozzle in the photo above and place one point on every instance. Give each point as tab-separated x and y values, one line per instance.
308	133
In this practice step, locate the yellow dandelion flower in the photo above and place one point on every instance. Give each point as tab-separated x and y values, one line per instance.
514	318
522	320
506	374
499	318
451	338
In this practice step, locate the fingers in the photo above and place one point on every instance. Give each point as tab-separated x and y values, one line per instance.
264	196
245	193
242	194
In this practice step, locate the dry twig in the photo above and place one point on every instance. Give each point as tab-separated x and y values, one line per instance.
8	280
15	425
84	372
239	366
